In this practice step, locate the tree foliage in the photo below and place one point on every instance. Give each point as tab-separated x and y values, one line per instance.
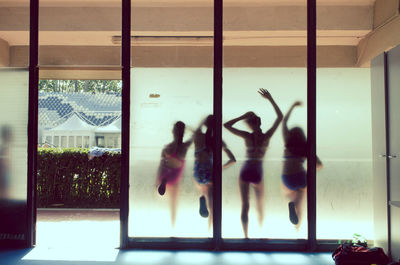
92	86
66	177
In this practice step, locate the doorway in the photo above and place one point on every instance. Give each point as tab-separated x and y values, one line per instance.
78	176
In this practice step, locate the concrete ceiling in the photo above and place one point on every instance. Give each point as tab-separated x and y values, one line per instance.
243	25
270	25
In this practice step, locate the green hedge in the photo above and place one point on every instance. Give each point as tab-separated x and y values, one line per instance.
67	178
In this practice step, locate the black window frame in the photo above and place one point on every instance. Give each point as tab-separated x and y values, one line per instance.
216	242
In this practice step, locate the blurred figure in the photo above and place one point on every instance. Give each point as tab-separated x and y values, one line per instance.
171	167
251	173
203	165
294	176
5	163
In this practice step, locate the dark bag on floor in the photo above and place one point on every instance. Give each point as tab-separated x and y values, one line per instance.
351	254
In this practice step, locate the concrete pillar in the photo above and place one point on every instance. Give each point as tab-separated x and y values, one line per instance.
4	53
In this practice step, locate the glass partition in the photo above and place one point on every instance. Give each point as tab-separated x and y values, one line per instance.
265	55
171	97
14	76
344	145
161	97
286	87
344	138
13	153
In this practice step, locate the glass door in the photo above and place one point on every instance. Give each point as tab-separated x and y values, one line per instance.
170	126
264	193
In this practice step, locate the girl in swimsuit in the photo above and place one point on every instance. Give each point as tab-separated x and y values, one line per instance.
203	165
251	173
172	165
294	176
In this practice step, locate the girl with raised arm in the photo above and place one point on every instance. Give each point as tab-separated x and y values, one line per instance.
172	165
203	165
256	143
294	176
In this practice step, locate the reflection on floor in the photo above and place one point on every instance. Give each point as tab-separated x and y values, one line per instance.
94	256
90	237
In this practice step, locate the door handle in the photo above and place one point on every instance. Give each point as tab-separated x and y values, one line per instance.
388	156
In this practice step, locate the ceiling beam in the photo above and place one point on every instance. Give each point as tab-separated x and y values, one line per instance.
188	18
187	38
384	37
384	10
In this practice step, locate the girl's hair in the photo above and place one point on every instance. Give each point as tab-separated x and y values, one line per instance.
209	137
179	129
254	120
296	142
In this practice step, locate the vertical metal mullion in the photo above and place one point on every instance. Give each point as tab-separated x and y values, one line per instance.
126	72
32	130
388	151
311	123
217	111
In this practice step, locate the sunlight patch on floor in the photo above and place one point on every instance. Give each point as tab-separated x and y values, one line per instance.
84	234
73	253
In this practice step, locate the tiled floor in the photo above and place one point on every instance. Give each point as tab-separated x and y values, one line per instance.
91	238
71	256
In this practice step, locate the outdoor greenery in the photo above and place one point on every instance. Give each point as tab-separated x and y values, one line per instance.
67	178
92	86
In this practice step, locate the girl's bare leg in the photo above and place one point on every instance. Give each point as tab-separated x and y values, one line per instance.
173	193
290	194
259	192
244	195
299	202
208	192
297	198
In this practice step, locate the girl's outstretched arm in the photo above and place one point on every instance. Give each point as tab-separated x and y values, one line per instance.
228	152
285	130
229	125
265	94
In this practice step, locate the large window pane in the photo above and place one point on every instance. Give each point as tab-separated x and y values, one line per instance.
264	47
171	81
182	95
344	184
344	143
237	101
13	153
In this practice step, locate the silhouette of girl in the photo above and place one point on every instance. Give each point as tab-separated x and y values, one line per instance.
172	165
294	176
256	143
203	165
